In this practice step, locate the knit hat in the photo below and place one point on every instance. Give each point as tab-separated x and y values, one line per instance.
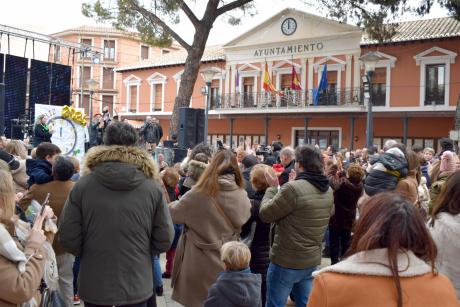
447	162
10	160
395	151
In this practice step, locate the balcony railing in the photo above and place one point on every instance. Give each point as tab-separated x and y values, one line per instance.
289	99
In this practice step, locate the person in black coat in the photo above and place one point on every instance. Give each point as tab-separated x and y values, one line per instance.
348	188
255	233
42	131
248	163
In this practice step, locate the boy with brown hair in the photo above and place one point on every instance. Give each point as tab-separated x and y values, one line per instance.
40	169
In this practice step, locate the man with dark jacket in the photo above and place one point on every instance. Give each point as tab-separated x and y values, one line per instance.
97	130
116	219
288	162
300	211
151	132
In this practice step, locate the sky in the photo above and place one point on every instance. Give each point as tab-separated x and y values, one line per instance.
50	16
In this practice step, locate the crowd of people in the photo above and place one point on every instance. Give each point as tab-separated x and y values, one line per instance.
248	227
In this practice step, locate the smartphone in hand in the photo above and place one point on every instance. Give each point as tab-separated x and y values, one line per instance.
45	203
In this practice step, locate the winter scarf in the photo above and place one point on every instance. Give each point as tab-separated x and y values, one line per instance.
318	180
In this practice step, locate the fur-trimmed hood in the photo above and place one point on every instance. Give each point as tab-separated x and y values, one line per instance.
132	155
375	263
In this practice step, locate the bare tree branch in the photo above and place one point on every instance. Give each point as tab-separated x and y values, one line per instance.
189	13
154	19
232	5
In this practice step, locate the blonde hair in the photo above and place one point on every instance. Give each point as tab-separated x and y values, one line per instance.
16	148
236	255
33	153
258	180
7	196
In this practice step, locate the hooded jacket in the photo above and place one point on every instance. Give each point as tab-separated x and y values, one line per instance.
116	219
39	171
300	212
235	289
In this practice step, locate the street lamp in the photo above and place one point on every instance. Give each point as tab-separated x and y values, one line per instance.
370	60
207	74
92	86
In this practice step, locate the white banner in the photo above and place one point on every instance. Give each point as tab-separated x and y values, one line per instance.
68	135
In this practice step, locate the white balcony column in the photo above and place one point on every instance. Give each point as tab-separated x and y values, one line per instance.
348	89
311	62
356	76
232	83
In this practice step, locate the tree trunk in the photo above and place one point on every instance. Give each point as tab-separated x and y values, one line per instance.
191	70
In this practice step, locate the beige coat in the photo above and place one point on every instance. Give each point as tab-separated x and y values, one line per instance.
20	177
197	260
17	288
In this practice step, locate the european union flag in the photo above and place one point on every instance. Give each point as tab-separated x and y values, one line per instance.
321	87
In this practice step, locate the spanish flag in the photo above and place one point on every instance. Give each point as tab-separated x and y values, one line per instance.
295	86
268	85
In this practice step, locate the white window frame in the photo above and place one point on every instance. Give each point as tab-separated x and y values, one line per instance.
130	81
155	79
81	42
387	63
339	129
422	59
102	78
140	52
103	50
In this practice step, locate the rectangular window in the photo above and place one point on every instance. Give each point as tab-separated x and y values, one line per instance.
435	84
286	82
86	41
109	50
144	52
323	138
158	88
379	87
132	98
84	103
108	78
86	75
108	101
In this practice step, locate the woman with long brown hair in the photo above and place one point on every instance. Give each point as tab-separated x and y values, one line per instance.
212	213
445	229
391	262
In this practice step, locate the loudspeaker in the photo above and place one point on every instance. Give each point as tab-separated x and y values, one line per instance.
2	109
191	127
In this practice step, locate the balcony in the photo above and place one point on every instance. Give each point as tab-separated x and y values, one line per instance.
289	100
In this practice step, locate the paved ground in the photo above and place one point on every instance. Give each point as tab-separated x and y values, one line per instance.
166	301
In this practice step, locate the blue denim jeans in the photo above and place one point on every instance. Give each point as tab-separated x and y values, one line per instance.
281	282
156	271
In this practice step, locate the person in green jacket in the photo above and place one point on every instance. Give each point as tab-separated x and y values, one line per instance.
300	212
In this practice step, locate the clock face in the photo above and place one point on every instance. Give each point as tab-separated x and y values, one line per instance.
289	26
64	134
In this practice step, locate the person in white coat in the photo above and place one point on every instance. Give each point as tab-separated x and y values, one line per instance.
445	229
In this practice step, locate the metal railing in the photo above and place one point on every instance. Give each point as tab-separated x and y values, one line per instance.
289	99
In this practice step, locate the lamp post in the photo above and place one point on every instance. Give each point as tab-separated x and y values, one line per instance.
370	60
207	74
92	86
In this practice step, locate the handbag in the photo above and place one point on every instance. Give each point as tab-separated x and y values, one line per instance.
50	298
